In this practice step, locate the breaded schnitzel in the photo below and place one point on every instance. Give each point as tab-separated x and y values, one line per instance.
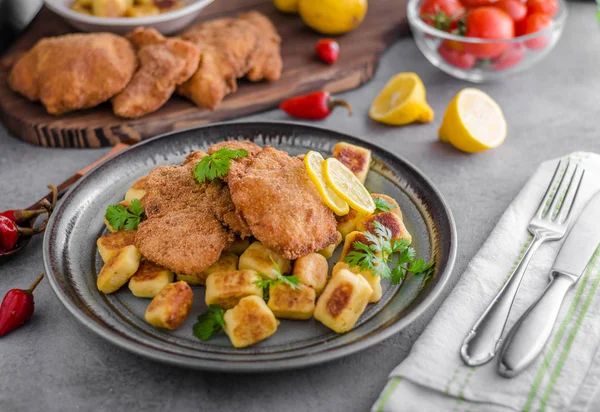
182	232
231	48
74	71
266	63
164	64
226	49
284	211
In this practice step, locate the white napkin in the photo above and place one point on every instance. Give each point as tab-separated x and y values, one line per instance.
566	375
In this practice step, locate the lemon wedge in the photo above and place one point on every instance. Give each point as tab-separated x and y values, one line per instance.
347	186
314	166
402	101
473	122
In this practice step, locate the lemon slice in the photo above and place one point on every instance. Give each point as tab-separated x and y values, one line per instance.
347	186
314	166
402	101
473	122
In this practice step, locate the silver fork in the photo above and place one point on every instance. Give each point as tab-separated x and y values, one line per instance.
485	337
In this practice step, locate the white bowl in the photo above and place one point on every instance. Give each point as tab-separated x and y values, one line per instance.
166	23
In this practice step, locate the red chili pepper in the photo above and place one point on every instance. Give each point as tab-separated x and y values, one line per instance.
9	233
17	308
313	106
328	50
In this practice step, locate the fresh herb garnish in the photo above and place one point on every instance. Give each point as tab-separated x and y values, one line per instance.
216	165
383	205
119	217
265	282
209	323
383	251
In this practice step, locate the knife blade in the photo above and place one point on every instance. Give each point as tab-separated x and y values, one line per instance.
581	243
527	338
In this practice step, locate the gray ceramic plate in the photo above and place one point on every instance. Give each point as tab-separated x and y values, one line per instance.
72	261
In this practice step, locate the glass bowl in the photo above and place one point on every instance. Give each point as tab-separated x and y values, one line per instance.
518	53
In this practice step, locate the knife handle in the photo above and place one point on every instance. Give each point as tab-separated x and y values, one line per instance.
485	337
527	338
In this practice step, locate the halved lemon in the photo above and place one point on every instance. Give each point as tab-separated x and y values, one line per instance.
402	101
473	122
347	186
314	166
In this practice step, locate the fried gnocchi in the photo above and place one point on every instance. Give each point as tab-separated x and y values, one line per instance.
249	322
118	270
170	308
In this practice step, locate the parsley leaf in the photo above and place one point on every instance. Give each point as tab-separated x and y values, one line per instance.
387	258
209	323
383	205
266	282
119	217
216	165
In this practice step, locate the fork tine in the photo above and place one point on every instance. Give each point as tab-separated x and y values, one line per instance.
562	206
557	194
540	211
567	217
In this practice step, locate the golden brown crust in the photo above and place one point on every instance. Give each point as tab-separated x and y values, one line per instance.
164	64
266	63
389	220
147	270
74	71
338	301
283	209
226	49
182	232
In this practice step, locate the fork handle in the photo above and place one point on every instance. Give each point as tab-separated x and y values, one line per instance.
485	337
527	338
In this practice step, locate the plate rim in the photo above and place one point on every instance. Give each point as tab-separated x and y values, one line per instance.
293	362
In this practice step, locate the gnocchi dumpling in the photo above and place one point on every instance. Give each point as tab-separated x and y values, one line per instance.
249	322
348	222
118	270
355	158
289	303
388	219
170	308
225	289
258	257
395	208
149	279
343	301
312	270
137	190
109	245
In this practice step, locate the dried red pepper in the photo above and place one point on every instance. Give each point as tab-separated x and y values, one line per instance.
17	308
313	106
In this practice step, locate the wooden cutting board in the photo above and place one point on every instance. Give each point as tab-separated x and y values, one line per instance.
302	73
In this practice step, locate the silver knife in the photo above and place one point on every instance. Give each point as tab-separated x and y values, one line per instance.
528	337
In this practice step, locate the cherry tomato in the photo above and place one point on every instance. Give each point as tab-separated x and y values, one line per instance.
457	58
548	7
488	23
327	50
513	54
441	14
534	23
520	28
516	9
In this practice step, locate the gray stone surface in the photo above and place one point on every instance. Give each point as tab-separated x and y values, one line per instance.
55	364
